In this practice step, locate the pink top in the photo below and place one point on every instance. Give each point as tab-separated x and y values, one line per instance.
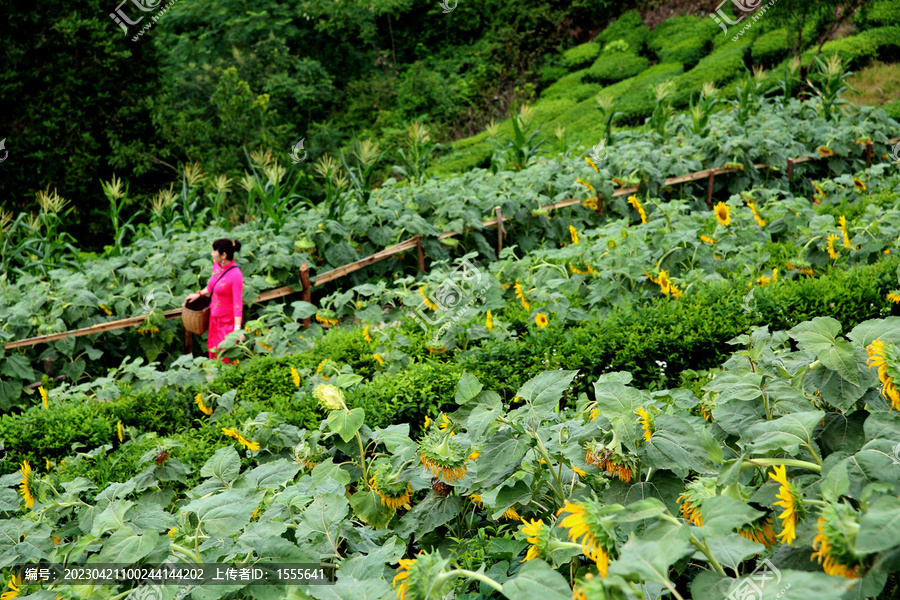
226	297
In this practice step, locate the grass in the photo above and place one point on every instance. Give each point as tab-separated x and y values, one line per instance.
878	84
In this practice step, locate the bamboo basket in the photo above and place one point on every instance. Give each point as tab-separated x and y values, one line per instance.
195	315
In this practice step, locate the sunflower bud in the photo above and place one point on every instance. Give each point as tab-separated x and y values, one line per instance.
329	397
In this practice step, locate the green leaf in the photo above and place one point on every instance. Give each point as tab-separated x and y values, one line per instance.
467	388
546	388
501	456
17	365
350	588
879	528
223	514
722	515
537	580
346	423
836	482
368	507
395	437
868	331
225	465
271	474
650	556
770	583
786	433
730	549
675	446
429	514
820	337
347	380
125	547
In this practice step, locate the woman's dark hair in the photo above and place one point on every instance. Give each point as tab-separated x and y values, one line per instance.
227	247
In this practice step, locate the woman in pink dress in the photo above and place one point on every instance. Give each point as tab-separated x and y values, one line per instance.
226	286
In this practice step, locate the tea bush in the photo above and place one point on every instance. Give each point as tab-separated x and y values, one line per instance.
720	67
615	67
683	39
580	56
856	50
630	28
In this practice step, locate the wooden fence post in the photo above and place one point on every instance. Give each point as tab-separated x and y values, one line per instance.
419	253
306	296
501	230
709	189
188	342
869	148
790	168
599	204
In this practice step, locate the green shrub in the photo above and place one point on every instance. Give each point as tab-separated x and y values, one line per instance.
635	95
857	50
720	68
893	109
615	67
683	39
628	27
580	56
572	87
423	388
880	13
37	434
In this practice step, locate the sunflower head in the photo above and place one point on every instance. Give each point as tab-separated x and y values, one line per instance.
591	522
327	366
309	454
393	491
646	421
759	531
26	485
692	499
723	214
420	578
884	356
541	320
791	502
838	526
295	376
329	397
610	458
538	536
444	456
327	317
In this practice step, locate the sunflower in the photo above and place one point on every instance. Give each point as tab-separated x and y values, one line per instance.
366	335
723	215
573	233
403	573
541	320
511	515
394	492
879	352
172	532
646	422
584	183
825	152
609	457
691	501
327	317
894	297
521	296
584	522
444	456
590	162
445	424
244	442
476	499
792	503
44	398
489	322
818	189
590	203
13	583
829	246
618	182
426	300
295	376
834	543
707	239
417	578
330	365
842	225
759	531
119	431
25	486
759	219
538	536
633	201
579	472
206	410
859	184
475	454
106	310
378	358
595	412
329	397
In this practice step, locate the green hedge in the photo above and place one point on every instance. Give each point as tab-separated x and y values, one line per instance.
37	433
580	56
615	67
880	13
628	27
857	50
689	333
571	87
721	68
683	39
635	95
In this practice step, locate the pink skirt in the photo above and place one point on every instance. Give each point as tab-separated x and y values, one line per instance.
219	327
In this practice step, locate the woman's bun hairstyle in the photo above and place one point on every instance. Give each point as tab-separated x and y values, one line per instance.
227	247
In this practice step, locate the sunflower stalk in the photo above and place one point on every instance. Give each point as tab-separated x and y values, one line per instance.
558	488
701	546
787	462
443	577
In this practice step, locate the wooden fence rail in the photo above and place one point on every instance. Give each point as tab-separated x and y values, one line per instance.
413	242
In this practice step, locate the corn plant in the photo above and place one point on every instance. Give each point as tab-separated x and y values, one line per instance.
748	96
336	182
701	110
417	154
361	175
832	85
606	105
523	148
118	199
662	111
270	187
191	213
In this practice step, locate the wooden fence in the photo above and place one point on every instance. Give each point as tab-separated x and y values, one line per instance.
413	242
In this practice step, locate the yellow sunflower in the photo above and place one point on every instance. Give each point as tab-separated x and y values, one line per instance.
825	152
842	225
590	162
206	410
878	353
792	503
426	300
489	322
723	214
584	183
366	335
707	239
44	398
633	201
521	296
859	184
573	233
25	486
295	376
541	320
829	246
401	576
119	431
582	522
537	536
893	297
646	422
